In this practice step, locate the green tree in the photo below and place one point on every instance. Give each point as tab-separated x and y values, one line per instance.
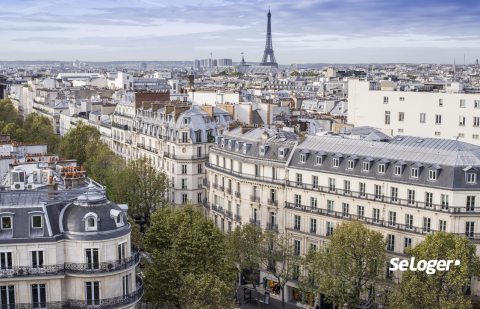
443	289
206	292
246	244
294	73
184	248
281	259
136	236
312	74
140	185
102	165
15	132
353	262
9	114
39	129
74	144
307	282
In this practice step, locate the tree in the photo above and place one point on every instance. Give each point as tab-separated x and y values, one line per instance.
136	236
74	144
15	132
140	185
39	129
443	289
185	248
9	114
308	279
206	292
281	259
294	73
312	74
351	264
246	244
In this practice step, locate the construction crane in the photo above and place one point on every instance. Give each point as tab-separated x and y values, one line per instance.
293	65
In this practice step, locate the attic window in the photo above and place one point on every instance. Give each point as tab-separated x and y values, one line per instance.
91	221
217	118
318	160
471	178
414	172
36	221
185	120
432	175
398	170
335	162
302	158
399	138
419	140
6	223
263	150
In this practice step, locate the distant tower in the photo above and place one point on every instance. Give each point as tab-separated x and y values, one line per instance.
269	47
454	66
476	64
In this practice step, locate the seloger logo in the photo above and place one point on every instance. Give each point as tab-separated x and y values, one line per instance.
431	266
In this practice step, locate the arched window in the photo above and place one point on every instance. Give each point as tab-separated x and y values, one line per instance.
91	221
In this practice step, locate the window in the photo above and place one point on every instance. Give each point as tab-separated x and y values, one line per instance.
411	196
428	199
397	170
185	135
365	166
437	133
477	103
414	172
360	211
475	136
91	258
223	225
335	162
346	186
184	168
92	293
401	116
400	130
331	184
385	100
302	158
440	102
444	201
39	296
125	285
6	260
313	225
476	121
350	164
362	189
409	221
37	259
345	209
391	243
329	228
394	194
470	203
330	206
297	247
7	296
389	274
36	221
438	119
432	175
442	226
378	191
318	160
376	215
298	200
461	120
469	229
462	103
314	203
392	218
240	167
426	224
296	223
407	243
238	209
381	168
471	178
422	118
315	182
402	98
461	135
122	251
6	223
299	179
313	247
387	117
184	184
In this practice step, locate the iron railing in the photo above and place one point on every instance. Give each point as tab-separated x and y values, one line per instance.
120	126
238	194
184	157
148	148
279	182
386	199
228	214
221	188
229	191
218	209
272	202
206	183
255	223
254	198
237	218
272	227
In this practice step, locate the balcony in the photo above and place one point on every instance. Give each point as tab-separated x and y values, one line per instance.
238	194
120	126
221	188
272	202
229	191
218	209
206	183
206	204
215	185
272	227
370	221
255	199
237	218
471	236
72	268
183	157
255	223
228	214
106	303
148	148
278	182
470	210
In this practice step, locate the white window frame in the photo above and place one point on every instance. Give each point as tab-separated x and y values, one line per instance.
365	166
303	158
381	168
432	175
397	170
471	178
41	222
318	160
350	164
335	162
414	172
11	223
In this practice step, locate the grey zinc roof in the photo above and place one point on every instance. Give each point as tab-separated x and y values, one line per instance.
429	150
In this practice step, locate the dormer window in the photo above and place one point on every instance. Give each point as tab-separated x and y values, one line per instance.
263	150
6	223
282	152
398	170
318	160
335	162
414	172
432	175
365	166
185	120
381	168
217	118
117	215
471	178
302	158
36	221
91	221
350	164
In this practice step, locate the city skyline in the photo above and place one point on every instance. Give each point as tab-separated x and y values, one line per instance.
306	32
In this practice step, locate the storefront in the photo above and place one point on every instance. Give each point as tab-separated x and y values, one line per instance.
274	288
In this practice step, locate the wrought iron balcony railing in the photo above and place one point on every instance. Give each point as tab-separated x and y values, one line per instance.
255	199
238	194
272	227
272	202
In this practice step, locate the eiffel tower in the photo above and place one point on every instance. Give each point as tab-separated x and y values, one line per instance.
269	47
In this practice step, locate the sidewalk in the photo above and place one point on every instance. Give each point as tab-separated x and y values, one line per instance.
274	302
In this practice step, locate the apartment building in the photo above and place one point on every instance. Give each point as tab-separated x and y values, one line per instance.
439	110
405	187
176	137
63	243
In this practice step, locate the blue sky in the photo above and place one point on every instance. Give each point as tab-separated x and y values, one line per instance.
329	31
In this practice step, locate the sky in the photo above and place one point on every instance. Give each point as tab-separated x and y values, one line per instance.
313	31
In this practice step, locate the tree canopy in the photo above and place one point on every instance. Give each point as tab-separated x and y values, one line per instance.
74	144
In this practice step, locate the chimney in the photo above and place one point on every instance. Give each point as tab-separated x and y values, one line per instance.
265	135
209	110
146	105
157	106
180	109
168	110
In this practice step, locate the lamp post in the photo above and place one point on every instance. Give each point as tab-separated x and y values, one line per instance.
366	305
